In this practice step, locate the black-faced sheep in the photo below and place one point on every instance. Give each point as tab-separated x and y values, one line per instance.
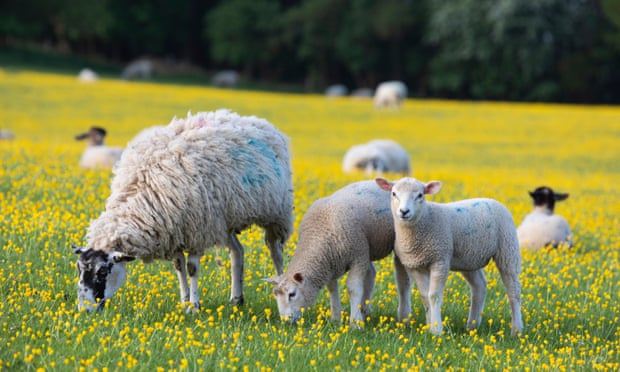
377	157
390	94
97	155
342	232
183	188
541	227
432	239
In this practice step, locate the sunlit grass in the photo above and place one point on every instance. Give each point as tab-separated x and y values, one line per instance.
570	296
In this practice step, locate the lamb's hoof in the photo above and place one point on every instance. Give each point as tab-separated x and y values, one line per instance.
192	308
238	301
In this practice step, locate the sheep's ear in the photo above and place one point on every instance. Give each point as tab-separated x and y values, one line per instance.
76	249
298	277
432	187
384	184
121	257
559	197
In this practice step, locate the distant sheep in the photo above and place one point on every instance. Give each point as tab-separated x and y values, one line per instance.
343	232
336	90
433	239
97	155
182	188
390	94
87	75
226	79
139	69
541	227
377	157
6	134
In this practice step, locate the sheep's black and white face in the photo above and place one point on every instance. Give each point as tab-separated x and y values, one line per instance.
101	275
545	197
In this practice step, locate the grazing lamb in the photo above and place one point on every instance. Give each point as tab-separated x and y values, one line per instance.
433	238
343	232
390	94
183	188
541	227
97	155
376	157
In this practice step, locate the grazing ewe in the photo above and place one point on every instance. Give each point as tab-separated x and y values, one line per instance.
433	238
97	155
377	157
390	94
343	232
183	188
541	227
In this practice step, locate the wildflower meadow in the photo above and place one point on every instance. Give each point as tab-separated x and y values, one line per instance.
570	297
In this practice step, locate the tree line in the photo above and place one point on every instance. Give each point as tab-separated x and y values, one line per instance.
523	50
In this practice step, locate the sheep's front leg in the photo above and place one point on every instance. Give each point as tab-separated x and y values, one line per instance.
403	286
193	266
334	300
180	268
235	251
438	277
421	278
478	287
369	286
355	287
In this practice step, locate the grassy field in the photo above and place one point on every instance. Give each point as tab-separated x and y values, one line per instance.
570	296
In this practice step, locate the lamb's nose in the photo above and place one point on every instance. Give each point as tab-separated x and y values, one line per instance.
404	212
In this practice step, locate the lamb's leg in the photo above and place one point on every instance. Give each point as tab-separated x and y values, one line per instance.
438	277
403	286
513	288
478	287
369	286
334	300
193	266
275	243
355	287
235	250
180	268
422	278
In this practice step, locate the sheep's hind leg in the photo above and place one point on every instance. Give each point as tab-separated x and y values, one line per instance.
355	287
403	286
334	300
181	269
369	286
513	289
193	266
235	251
275	243
478	287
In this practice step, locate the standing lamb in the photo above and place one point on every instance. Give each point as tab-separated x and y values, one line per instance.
541	227
377	157
97	155
185	187
433	239
390	94
343	232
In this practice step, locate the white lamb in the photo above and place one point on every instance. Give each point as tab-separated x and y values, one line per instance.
183	188
432	239
541	227
377	157
390	94
97	155
343	232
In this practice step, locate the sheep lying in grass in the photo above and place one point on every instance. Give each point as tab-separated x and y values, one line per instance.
541	227
343	232
390	94
377	157
433	238
6	134
183	188
97	155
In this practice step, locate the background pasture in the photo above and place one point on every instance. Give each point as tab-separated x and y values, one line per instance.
498	150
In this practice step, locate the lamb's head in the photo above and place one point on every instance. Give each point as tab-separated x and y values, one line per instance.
545	197
293	293
101	274
408	199
94	136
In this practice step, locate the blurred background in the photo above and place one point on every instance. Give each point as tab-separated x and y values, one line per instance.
515	50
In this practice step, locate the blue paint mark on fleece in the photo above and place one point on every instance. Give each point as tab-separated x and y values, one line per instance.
252	174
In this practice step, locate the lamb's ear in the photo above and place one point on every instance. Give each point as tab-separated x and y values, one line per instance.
559	197
298	277
76	249
384	184
432	187
121	257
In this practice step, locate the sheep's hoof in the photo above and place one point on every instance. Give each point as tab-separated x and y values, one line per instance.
192	308
238	301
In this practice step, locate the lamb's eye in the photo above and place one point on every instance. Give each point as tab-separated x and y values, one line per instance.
420	196
292	295
394	195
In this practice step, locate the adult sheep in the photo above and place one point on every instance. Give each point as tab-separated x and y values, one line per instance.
182	188
542	227
342	232
97	154
432	239
377	157
390	94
